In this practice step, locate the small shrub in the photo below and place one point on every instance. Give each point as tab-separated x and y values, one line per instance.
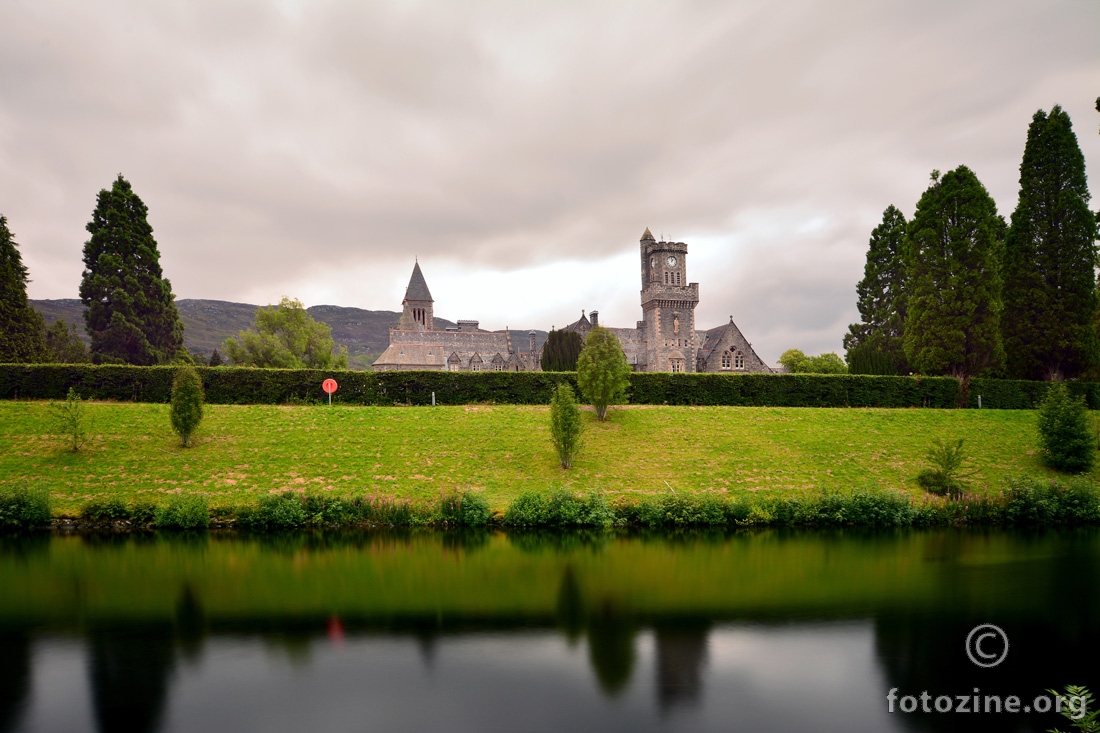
1065	436
464	509
143	512
71	420
22	507
184	512
1076	704
529	509
105	510
565	424
945	477
274	511
187	399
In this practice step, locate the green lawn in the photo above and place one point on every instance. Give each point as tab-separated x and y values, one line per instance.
241	452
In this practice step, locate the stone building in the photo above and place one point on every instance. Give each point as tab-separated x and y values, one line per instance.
416	344
665	340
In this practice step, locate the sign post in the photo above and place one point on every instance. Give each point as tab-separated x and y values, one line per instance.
330	386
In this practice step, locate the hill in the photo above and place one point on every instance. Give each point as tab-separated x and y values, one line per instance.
208	323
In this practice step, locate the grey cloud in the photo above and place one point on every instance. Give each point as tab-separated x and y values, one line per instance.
274	143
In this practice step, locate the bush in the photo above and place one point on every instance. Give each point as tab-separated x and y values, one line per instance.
71	420
273	512
143	512
464	509
565	425
183	512
946	477
1065	435
187	399
529	509
22	507
105	510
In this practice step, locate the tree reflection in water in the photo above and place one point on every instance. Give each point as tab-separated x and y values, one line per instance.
15	670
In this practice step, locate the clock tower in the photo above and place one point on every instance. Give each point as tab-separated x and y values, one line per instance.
668	307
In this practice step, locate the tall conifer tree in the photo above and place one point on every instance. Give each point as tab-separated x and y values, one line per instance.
953	252
21	326
882	299
130	311
1050	259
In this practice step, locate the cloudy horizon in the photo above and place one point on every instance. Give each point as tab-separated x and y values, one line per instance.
517	150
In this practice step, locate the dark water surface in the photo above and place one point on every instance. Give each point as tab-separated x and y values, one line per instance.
426	631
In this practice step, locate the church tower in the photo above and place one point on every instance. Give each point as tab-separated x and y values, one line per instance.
416	308
668	307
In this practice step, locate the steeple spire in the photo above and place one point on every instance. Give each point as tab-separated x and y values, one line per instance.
418	287
648	235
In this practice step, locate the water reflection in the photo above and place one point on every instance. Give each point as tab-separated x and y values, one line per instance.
769	631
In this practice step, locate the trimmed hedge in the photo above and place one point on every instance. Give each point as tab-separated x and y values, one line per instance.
243	385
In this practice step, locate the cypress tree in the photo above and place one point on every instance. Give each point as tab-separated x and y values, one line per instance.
187	401
21	325
882	299
215	359
1050	259
560	352
130	311
953	250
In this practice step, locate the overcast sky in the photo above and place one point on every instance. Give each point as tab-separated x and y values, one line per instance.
519	149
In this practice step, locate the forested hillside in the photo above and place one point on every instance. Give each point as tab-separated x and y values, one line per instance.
208	323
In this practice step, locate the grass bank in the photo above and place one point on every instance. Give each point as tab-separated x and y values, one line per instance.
243	453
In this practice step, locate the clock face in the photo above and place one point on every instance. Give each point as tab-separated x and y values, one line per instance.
652	261
671	261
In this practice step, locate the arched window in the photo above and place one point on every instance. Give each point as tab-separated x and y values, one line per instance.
727	360
738	360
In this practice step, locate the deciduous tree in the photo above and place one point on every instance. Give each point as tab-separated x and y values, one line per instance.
881	295
286	336
953	253
20	324
603	373
797	362
1050	259
130	311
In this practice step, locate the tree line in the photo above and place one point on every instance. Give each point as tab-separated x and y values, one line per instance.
957	291
130	312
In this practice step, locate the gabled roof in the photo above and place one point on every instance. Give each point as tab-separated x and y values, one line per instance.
582	324
418	288
714	337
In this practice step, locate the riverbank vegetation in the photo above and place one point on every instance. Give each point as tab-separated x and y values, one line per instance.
392	466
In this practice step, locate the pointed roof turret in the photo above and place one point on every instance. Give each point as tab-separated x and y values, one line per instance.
648	235
418	288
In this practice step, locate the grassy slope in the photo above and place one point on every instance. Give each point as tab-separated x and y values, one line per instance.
243	451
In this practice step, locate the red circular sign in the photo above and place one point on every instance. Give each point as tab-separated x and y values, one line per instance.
329	385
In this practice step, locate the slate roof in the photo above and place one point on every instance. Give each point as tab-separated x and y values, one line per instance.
418	288
429	355
582	324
